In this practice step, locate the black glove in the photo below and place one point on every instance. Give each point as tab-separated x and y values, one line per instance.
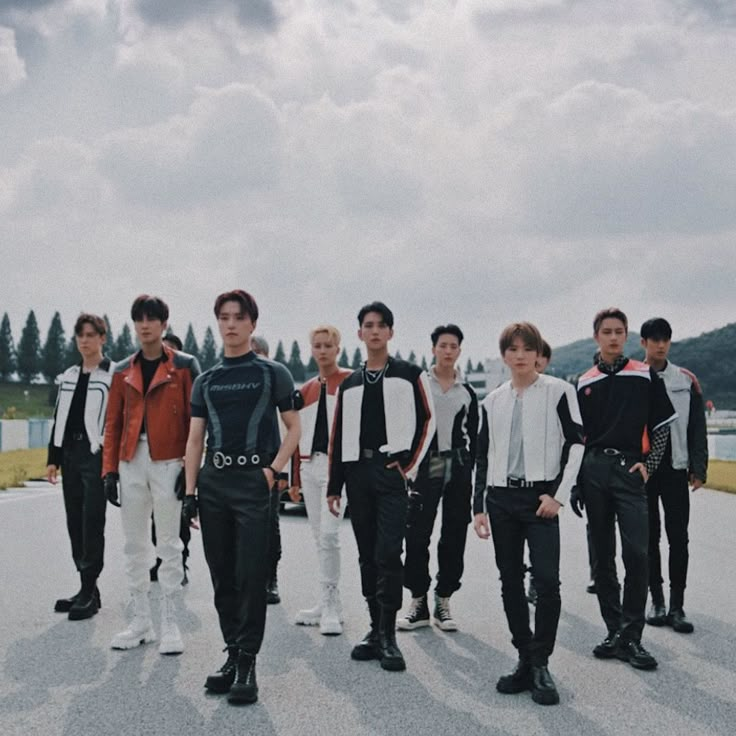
416	504
180	486
110	484
577	502
189	509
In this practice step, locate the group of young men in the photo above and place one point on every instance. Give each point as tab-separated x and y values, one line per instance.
154	435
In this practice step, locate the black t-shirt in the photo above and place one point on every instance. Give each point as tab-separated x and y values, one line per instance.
372	417
239	398
618	407
321	441
148	371
75	419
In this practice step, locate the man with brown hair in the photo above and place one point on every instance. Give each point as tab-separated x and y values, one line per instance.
75	444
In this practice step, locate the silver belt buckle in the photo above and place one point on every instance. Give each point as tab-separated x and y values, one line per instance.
218	460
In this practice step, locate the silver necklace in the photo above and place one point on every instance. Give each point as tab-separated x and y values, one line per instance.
373	377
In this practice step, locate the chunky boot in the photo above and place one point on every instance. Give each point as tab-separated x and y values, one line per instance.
657	615
245	688
544	690
272	590
86	604
64	605
391	657
676	617
309	616
171	641
368	647
222	680
416	617
519	680
442	616
608	648
140	629
329	623
635	654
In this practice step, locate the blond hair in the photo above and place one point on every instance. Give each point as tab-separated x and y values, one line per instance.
333	332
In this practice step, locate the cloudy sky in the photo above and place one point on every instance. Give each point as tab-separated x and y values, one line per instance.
475	161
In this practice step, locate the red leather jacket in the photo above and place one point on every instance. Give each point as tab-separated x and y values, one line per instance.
166	407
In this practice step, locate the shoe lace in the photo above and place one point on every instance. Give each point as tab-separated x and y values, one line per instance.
443	608
416	607
232	659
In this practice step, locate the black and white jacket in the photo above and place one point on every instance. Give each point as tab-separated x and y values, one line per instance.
552	431
95	407
409	414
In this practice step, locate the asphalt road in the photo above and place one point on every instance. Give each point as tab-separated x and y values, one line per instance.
61	677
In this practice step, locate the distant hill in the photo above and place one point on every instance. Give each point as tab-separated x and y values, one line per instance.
711	356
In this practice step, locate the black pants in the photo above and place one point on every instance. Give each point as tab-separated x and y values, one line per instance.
274	542
433	485
512	513
613	494
671	486
234	514
378	504
85	504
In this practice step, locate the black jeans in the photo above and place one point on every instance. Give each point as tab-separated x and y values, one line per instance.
613	494
672	487
512	513
378	504
85	504
434	485
234	514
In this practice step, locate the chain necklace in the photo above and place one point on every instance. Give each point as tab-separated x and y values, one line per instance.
373	377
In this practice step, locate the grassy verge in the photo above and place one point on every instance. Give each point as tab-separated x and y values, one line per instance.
25	401
722	475
18	466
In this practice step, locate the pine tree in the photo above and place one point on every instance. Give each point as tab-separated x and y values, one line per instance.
71	354
480	367
357	359
412	358
208	353
344	362
29	350
7	350
295	365
52	355
469	367
109	347
123	345
280	356
190	342
312	366
398	355
424	363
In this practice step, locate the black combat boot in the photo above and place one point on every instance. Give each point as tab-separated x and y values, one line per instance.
368	647
222	680
87	602
391	657
657	615
245	688
519	680
676	617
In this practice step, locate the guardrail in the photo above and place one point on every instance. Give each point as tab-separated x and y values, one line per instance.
24	434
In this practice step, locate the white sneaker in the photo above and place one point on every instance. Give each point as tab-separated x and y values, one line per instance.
171	641
309	616
442	616
329	623
140	629
416	617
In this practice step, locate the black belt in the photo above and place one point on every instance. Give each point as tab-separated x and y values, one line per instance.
521	483
613	452
367	454
223	460
77	436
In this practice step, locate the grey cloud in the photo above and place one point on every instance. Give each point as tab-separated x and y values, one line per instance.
251	13
718	11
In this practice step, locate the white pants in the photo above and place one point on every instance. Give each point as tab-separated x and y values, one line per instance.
147	486
325	526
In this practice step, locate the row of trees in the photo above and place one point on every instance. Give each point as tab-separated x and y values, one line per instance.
31	357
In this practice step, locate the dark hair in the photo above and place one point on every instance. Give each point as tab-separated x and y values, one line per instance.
657	328
380	308
448	329
546	350
95	322
247	303
609	313
259	345
529	334
149	306
174	341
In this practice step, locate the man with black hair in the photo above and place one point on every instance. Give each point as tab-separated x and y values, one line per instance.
384	422
626	416
444	474
685	460
236	403
75	446
145	438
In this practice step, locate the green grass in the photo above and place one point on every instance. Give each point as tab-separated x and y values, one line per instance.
722	475
14	404
18	466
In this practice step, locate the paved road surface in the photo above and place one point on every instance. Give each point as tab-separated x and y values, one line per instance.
60	677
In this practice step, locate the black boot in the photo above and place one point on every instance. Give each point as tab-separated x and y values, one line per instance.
272	589
64	605
368	647
657	615
245	688
391	657
544	690
87	603
676	617
519	680
222	680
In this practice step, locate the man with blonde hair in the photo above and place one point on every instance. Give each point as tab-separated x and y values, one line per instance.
311	469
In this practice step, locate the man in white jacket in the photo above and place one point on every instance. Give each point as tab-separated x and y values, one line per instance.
75	446
530	447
